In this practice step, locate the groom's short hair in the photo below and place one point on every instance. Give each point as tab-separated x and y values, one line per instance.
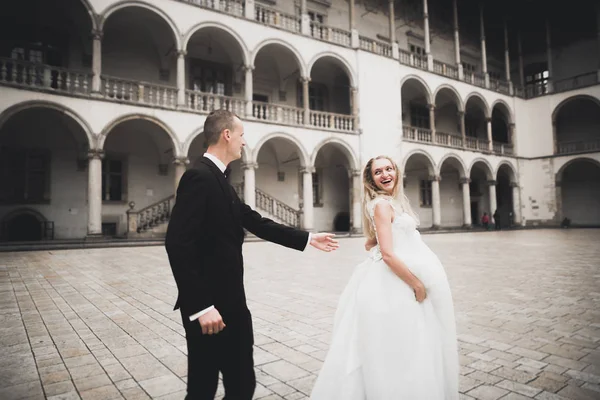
216	122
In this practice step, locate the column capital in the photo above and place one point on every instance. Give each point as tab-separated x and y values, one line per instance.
182	53
249	68
305	79
307	170
181	160
460	114
95	154
97	34
514	184
249	165
431	107
435	178
511	125
491	182
355	173
488	119
354	89
465	180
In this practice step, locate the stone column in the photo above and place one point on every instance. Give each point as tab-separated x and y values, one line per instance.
248	90
521	68
549	52
307	198
507	57
180	168
554	139
354	40
513	137
435	201
181	78
95	192
304	18
493	205
516	198
427	38
96	60
250	184
598	29
356	200
483	49
249	9
463	131
432	121
466	194
457	41
490	137
306	104
395	51
355	106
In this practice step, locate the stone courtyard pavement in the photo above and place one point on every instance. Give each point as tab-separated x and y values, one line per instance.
98	324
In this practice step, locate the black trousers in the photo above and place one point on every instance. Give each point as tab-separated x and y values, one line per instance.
230	352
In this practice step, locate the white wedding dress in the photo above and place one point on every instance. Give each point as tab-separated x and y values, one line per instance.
385	344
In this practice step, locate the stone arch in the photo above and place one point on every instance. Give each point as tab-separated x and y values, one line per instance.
511	168
462	170
503	104
90	9
346	149
486	109
489	171
111	125
304	158
459	102
186	146
286	45
422	82
348	69
569	99
136	3
431	165
9	112
21	212
559	174
244	49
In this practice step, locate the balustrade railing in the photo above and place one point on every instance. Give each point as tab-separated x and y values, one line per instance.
138	92
337	122
139	221
44	77
278	209
276	18
448	139
278	113
415	134
578	146
375	46
500	86
502	148
475	79
330	34
207	102
444	69
576	82
235	7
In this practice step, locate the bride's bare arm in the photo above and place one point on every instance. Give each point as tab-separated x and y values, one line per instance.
384	215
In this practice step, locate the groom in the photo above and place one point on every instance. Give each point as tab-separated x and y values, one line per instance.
204	245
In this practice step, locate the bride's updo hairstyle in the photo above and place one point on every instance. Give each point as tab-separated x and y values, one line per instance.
372	191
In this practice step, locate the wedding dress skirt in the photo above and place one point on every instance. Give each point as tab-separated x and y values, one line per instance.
385	344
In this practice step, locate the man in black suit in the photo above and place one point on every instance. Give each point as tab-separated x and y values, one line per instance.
204	244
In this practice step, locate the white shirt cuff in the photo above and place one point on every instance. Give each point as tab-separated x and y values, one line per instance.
308	241
201	313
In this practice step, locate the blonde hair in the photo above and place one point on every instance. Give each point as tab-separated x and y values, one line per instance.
371	192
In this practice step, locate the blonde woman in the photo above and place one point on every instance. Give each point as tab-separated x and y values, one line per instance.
394	334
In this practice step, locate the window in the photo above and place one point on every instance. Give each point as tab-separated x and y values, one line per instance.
317	96
425	191
468	68
418	50
211	77
419	116
112	179
25	175
495	75
538	81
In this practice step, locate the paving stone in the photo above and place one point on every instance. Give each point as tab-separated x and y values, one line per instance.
486	392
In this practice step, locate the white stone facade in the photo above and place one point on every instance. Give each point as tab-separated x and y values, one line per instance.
92	140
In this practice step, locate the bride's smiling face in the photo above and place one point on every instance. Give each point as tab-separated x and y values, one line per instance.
384	174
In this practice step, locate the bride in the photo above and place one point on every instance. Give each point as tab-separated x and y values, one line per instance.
394	333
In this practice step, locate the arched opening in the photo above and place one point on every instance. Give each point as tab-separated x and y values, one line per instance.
447	118
476	123
577	124
331	189
504	195
418	173
139	45
25	225
277	87
451	194
501	124
137	169
479	188
37	36
415	111
579	183
43	165
215	71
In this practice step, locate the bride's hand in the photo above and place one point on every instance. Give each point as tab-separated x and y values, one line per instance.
370	243
420	293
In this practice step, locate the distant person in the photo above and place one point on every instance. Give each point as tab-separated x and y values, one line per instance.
497	220
485	221
566	223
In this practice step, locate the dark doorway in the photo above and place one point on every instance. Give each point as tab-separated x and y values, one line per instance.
24	227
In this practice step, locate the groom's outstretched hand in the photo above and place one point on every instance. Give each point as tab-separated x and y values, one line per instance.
324	241
211	322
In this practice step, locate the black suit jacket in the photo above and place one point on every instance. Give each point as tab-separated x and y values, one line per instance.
204	241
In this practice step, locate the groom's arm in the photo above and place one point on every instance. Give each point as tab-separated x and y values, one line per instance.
271	231
181	242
